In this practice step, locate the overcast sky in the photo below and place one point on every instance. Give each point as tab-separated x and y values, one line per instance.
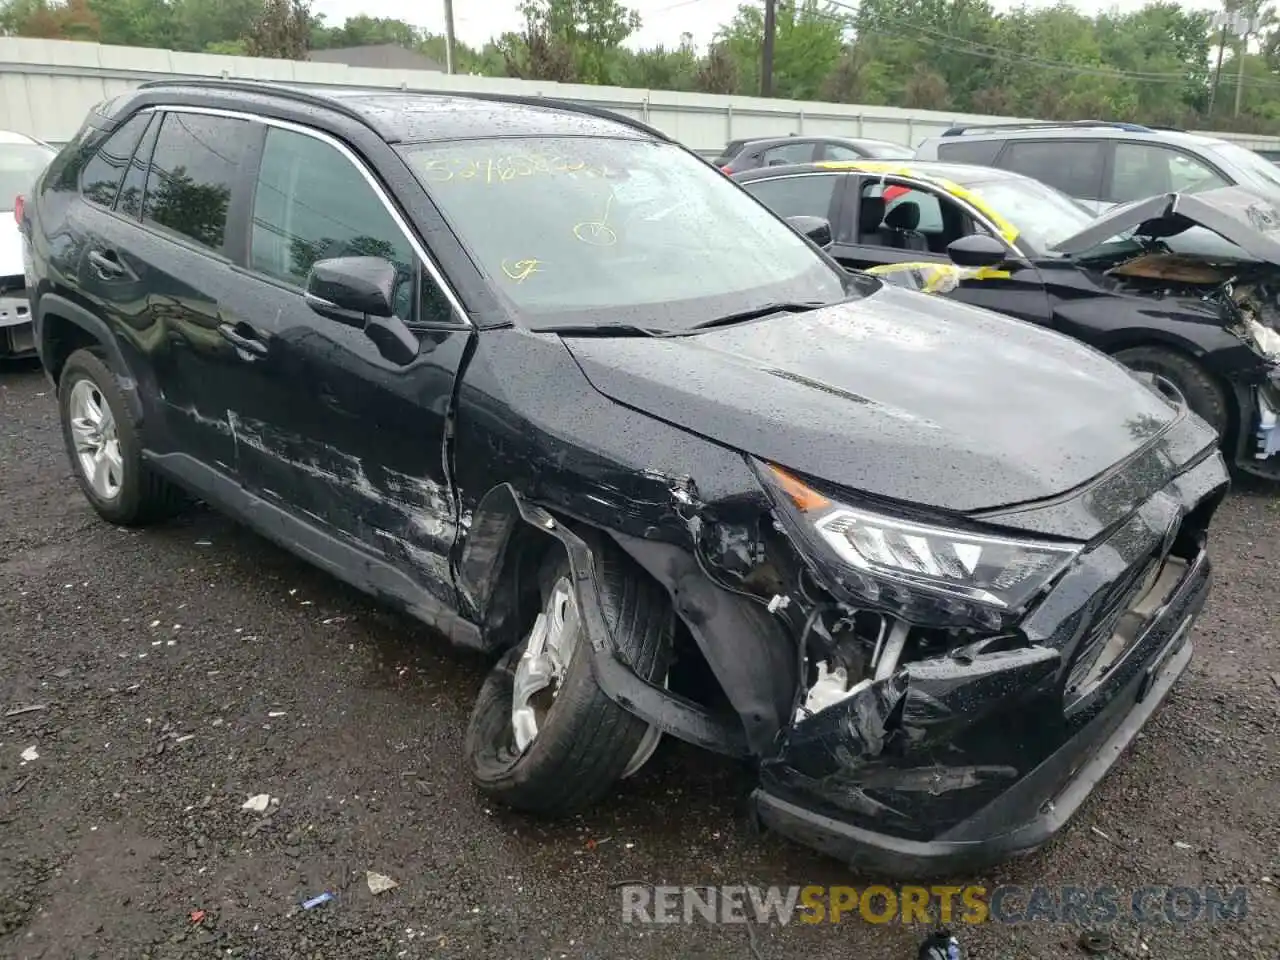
664	20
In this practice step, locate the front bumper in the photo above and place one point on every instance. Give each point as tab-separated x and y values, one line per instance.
941	790
17	335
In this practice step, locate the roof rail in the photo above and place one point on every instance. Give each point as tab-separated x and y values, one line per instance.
296	90
961	129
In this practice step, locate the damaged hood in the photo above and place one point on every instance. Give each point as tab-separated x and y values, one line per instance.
899	394
1240	217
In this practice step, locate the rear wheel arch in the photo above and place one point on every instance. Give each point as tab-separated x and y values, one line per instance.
65	326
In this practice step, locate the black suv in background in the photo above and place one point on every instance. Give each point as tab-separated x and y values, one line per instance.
544	379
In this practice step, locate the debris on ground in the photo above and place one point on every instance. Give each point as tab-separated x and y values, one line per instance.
1095	942
19	711
30	754
197	916
259	803
940	945
1182	845
378	883
316	901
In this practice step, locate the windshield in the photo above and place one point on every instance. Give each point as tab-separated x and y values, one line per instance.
578	231
1263	171
1042	215
20	164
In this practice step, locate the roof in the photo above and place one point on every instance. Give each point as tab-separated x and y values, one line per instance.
11	136
812	138
962	173
407	116
1077	131
384	55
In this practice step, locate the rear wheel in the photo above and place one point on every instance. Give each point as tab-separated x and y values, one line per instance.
543	737
105	449
1183	379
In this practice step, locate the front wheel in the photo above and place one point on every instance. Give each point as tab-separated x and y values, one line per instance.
543	737
1181	377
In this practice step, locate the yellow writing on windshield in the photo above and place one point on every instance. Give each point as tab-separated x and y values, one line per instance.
521	270
505	168
597	233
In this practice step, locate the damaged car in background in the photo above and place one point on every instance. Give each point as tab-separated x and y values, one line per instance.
573	398
1180	287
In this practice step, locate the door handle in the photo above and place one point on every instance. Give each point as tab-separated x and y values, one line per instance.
106	264
249	345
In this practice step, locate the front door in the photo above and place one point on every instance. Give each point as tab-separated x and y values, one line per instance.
333	432
902	222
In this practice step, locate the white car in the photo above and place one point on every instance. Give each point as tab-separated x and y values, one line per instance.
22	159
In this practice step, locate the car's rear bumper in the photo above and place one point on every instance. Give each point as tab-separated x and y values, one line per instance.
1040	802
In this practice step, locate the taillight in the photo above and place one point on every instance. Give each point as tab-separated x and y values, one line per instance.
18	203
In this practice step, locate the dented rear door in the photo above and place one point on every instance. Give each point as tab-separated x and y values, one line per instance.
334	432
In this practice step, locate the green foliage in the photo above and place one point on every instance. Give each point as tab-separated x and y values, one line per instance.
1153	65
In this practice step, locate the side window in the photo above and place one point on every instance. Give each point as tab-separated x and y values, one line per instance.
100	179
1073	166
312	204
980	152
1143	169
838	151
135	179
194	167
788	153
808	196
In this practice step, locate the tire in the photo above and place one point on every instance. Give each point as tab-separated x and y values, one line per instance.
1202	393
584	742
138	495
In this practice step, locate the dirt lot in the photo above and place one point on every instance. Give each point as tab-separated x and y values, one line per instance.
186	668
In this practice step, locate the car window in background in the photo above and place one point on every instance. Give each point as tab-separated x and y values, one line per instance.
578	230
925	202
808	195
1043	216
1143	169
195	164
789	153
1072	166
980	152
20	165
100	180
1263	171
312	204
837	151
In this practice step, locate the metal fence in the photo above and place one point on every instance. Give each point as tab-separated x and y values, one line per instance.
47	86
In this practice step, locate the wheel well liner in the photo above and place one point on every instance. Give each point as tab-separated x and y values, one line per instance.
65	326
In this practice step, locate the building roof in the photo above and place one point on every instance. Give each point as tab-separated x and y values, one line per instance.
390	56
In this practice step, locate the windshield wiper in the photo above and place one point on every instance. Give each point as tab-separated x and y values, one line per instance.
756	313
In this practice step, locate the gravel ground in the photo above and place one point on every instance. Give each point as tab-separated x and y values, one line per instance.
188	667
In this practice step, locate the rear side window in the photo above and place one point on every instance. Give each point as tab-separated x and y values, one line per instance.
194	168
807	196
1142	169
981	152
1073	166
789	153
100	180
135	179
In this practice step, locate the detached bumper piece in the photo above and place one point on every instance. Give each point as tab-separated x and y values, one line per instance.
965	760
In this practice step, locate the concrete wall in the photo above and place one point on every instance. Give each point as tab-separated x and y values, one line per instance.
47	86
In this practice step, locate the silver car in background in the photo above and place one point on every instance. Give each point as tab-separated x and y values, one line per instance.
22	160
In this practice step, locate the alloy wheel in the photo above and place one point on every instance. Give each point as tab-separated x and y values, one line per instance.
96	439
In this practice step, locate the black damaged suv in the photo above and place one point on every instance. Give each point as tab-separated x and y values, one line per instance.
549	382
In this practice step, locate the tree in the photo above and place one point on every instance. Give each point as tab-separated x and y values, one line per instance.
576	39
807	46
281	30
67	20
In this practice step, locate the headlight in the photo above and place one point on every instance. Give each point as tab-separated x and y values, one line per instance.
970	576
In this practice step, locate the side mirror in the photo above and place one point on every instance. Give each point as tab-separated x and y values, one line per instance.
360	292
817	229
977	250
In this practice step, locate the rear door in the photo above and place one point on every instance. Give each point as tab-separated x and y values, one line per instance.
331	431
1076	167
803	194
158	260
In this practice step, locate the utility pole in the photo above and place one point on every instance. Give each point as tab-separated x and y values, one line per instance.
1217	71
448	36
770	28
